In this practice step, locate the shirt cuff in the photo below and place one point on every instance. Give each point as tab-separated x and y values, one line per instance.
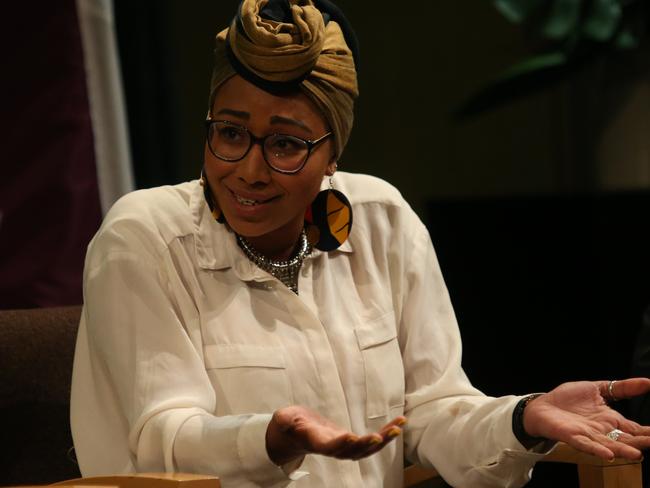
251	446
291	469
541	448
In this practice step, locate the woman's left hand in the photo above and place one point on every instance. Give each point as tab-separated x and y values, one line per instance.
577	413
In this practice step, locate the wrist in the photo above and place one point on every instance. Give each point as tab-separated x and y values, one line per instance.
518	428
279	446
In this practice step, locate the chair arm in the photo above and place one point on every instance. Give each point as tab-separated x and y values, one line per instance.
593	471
415	474
563	453
148	480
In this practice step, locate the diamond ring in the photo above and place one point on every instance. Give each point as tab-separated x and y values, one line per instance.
614	434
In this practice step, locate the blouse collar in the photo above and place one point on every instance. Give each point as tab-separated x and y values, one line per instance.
216	245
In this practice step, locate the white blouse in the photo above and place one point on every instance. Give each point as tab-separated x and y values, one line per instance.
185	349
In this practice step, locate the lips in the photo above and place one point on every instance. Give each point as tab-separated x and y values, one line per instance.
250	200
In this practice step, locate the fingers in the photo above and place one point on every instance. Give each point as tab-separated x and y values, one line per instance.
605	448
388	432
589	446
357	447
396	422
633	428
610	435
635	435
620	389
639	443
624	445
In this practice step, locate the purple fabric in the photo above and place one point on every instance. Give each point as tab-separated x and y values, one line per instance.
49	197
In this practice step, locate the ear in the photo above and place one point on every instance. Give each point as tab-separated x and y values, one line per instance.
331	168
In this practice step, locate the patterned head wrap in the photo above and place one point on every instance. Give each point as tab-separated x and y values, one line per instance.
287	45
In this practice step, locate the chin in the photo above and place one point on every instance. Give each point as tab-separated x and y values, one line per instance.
250	229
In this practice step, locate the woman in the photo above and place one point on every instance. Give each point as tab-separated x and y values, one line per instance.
245	325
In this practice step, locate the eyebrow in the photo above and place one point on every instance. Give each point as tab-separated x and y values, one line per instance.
278	119
275	119
234	113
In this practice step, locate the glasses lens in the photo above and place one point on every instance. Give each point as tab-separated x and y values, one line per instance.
285	153
228	142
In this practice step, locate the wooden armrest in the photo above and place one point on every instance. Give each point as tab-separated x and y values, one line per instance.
415	474
593	471
563	453
147	480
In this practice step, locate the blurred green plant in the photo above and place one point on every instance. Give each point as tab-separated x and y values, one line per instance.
567	34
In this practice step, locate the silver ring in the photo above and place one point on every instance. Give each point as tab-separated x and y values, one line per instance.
614	434
610	391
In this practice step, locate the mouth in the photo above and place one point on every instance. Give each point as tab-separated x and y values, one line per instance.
250	202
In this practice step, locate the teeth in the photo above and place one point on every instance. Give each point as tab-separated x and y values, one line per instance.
245	201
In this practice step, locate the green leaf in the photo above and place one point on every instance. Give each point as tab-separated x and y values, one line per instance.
602	20
532	65
562	19
626	40
517	10
528	77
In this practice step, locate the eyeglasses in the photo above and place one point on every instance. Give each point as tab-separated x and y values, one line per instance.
283	153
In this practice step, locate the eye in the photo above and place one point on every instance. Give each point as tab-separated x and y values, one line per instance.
229	133
285	145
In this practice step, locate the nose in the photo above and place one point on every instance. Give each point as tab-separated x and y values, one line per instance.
253	168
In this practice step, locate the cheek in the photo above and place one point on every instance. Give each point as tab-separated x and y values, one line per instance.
311	182
304	187
313	174
214	168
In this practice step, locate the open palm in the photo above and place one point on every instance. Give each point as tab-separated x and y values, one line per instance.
295	431
577	413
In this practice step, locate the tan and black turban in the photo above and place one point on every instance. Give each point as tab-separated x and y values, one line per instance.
287	45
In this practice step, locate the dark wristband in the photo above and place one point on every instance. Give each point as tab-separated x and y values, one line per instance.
522	436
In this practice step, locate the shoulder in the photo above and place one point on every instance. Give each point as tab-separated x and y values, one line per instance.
365	189
147	219
153	206
379	209
373	196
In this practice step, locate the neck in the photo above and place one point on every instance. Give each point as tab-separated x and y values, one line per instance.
278	245
284	269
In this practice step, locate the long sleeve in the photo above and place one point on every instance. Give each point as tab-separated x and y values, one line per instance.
141	399
453	426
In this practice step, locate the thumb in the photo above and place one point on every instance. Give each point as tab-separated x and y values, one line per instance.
621	389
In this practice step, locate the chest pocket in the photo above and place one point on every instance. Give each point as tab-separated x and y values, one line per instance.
248	378
383	367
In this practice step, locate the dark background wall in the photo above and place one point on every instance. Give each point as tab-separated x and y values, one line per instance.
418	64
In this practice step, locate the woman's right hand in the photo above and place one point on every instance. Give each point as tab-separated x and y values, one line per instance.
296	431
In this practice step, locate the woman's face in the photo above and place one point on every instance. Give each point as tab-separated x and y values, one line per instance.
280	200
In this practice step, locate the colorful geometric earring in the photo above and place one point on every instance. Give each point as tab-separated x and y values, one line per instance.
328	220
212	205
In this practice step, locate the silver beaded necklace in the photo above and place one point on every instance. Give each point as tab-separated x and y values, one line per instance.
285	271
